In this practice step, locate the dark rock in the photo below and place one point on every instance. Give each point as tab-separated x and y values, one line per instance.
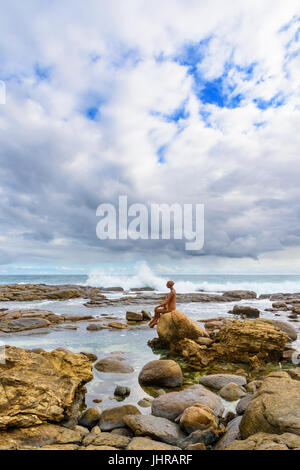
90	418
164	373
122	391
218	381
243	404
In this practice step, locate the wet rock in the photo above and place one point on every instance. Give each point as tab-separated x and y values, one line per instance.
240	294
218	381
121	391
158	428
114	364
173	404
23	324
264	441
145	402
197	417
232	433
243	403
164	373
280	306
275	408
35	388
95	327
175	326
90	418
112	418
232	392
141	443
246	311
253	386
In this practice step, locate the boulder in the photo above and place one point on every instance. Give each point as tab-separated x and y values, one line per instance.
171	405
23	324
158	428
197	417
112	418
208	437
143	443
118	325
240	294
90	418
95	327
176	325
217	381
246	311
275	408
249	341
264	441
146	315
114	364
232	392
232	433
36	388
163	373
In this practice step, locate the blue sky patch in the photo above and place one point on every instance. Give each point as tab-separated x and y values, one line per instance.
42	73
161	153
275	102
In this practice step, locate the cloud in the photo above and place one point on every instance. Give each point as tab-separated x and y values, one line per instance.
169	102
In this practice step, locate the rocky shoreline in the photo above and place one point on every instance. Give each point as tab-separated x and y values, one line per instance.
42	394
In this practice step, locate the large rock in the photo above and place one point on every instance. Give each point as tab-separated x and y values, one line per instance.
90	418
264	441
23	324
249	341
134	316
197	417
38	436
36	388
158	428
176	325
163	373
240	294
217	381
275	408
107	439
112	418
171	405
243	404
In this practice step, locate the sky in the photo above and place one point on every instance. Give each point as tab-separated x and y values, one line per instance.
165	102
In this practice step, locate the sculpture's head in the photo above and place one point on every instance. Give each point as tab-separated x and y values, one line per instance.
170	284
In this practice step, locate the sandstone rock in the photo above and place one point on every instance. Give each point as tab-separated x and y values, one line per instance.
253	386
232	433
175	325
108	439
217	381
90	418
35	388
164	373
145	402
95	447
249	312
173	404
95	327
141	443
114	364
23	324
248	341
112	418
38	436
264	441
92	357
199	446
240	294
158	428
123	432
243	403
197	417
232	392
275	408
